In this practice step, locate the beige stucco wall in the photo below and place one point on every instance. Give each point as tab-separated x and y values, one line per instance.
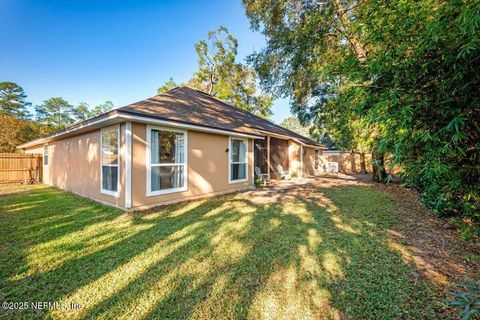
207	168
294	161
309	161
74	165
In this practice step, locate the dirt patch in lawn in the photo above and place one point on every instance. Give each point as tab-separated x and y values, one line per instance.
433	242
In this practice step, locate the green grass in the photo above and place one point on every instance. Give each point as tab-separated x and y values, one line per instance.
220	258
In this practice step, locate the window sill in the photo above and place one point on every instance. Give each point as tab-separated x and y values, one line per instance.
115	194
165	191
237	181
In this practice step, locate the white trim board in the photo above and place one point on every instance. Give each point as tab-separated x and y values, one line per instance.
128	164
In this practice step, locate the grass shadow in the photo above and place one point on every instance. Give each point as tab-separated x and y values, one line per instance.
322	253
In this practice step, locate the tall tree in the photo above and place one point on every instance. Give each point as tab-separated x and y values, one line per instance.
56	112
168	85
13	101
81	112
313	48
220	75
101	108
293	124
400	74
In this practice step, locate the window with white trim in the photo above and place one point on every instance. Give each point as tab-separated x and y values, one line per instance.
110	146
45	155
238	160
167	160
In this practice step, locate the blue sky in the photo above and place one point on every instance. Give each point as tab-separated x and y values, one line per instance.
93	51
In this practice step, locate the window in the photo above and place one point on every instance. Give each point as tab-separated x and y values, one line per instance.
317	158
166	154
238	160
45	155
109	147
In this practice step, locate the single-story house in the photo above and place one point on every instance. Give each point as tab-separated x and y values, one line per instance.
180	145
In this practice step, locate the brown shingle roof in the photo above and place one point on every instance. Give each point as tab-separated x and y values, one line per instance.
191	106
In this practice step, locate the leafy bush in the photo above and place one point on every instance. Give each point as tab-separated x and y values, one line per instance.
258	182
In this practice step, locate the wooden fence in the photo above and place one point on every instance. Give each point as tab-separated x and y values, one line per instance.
349	162
20	168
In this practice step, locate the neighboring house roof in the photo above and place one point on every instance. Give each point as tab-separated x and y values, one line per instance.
188	106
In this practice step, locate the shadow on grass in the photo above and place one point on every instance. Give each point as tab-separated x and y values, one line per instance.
325	254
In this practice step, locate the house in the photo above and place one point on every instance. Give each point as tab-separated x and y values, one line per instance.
180	145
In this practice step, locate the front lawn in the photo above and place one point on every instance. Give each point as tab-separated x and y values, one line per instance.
325	255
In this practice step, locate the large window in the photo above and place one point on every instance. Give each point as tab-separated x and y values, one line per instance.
238	160
45	155
166	155
317	159
110	160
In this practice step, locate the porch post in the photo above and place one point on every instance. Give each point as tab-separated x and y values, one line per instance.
268	156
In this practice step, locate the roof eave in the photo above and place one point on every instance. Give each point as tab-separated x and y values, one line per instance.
119	116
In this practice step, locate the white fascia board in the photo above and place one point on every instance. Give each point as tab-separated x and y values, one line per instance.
59	134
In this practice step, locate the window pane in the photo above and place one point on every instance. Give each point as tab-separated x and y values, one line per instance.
167	147
45	156
110	145
110	178
238	151
167	177
238	171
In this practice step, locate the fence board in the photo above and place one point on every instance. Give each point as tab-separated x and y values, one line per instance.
23	168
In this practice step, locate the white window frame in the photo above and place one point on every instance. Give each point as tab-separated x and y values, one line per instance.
45	148
230	160
109	192
149	165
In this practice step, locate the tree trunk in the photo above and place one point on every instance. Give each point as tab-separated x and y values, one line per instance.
378	163
357	46
363	166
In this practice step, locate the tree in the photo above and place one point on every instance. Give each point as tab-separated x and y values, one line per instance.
313	49
169	85
400	77
293	124
13	101
221	76
14	131
56	112
101	108
81	112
